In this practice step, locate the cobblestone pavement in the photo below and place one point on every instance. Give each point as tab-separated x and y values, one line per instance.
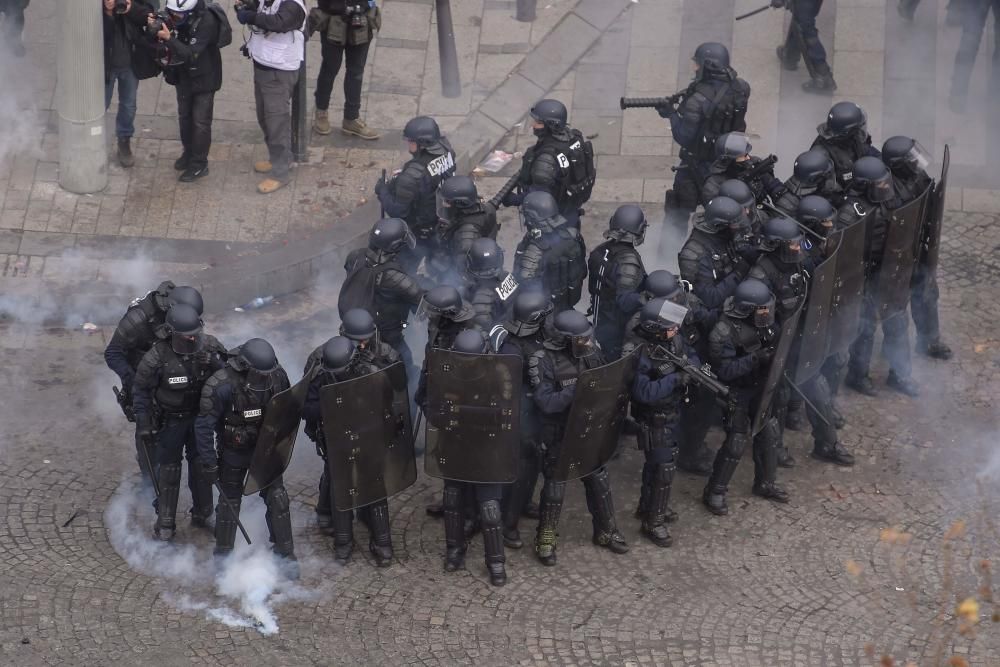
863	563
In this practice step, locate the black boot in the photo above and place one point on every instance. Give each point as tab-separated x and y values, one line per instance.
839	421
796	418
935	349
380	541
493	542
654	522
602	509
548	521
714	495
835	453
454	528
343	536
765	459
125	157
203	493
861	383
904	385
170	488
279	519
820	85
226	524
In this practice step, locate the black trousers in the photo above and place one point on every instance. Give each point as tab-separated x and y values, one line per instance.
194	114
333	56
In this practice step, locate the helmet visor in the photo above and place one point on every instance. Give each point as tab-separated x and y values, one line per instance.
186	343
763	316
583	346
919	159
880	189
445	211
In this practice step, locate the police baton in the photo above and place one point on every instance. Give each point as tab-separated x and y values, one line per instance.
229	506
767	204
806	400
381	205
754	12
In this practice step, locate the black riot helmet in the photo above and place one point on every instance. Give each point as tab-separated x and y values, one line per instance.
732	146
188	295
782	237
661	318
906	155
816	213
552	113
843	120
628	224
423	131
538	209
812	168
722	213
445	301
358	325
872	179
739	192
752	299
530	309
456	194
711	57
485	258
184	325
390	236
471	341
260	363
663	284
571	327
338	355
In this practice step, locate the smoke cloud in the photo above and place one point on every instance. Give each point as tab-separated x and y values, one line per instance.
242	591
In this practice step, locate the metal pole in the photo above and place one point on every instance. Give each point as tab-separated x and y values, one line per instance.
83	156
451	82
526	10
300	125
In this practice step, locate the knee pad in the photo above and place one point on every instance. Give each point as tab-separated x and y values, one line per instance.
452	497
490	511
277	499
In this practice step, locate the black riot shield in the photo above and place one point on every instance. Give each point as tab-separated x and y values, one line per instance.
473	431
786	338
369	437
930	237
900	255
814	341
276	438
595	418
848	286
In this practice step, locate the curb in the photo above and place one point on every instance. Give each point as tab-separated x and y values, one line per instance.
282	269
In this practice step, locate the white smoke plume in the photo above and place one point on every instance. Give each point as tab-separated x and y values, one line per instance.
243	591
20	126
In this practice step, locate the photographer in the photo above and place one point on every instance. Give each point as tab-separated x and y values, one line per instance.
188	50
347	28
277	47
126	64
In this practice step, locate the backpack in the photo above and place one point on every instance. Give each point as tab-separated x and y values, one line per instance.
225	29
581	173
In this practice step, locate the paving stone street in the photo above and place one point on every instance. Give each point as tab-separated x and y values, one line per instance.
874	565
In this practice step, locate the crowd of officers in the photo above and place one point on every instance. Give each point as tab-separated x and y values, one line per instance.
703	341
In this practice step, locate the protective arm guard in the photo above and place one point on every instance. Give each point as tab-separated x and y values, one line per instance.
528	263
650	391
147	377
711	289
549	399
629	303
726	363
216	398
400	196
401	287
684	124
311	410
629	274
116	358
544	174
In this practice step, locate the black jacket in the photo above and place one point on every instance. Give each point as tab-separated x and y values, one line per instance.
195	62
132	25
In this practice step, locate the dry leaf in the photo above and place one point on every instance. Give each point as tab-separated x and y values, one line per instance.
887	661
853	568
956	531
957	661
968	610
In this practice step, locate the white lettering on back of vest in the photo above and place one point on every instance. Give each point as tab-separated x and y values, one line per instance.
177	380
441	165
247	414
507	287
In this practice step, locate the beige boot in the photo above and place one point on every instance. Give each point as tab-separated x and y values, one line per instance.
358	128
262	166
321	122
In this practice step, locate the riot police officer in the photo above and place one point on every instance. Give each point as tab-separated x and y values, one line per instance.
341	360
719	253
741	349
657	394
812	174
734	161
486	498
715	103
568	349
741	193
803	40
377	282
463	217
699	406
486	285
167	390
234	403
872	189
134	336
552	255
560	163
908	161
844	138
521	335
411	194
615	268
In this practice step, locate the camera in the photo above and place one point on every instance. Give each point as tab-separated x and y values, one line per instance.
358	14
160	19
121	6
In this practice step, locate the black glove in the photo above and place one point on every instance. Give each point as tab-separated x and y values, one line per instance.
512	198
762	356
379	186
144	428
